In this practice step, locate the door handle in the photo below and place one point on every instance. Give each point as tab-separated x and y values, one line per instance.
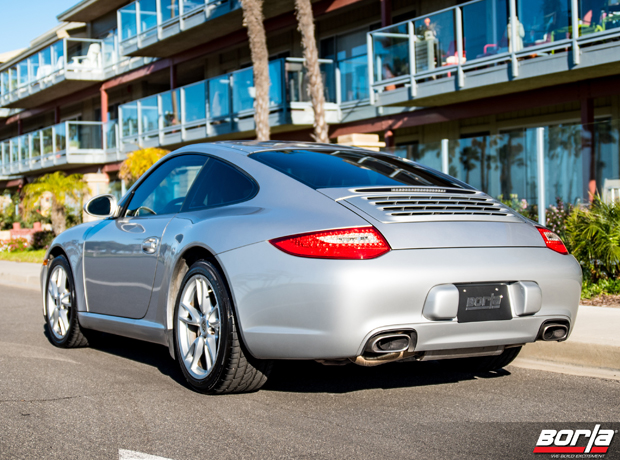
149	246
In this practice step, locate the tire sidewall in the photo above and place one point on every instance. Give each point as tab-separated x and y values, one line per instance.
62	261
209	271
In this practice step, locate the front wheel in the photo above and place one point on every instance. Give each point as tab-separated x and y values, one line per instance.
207	344
60	307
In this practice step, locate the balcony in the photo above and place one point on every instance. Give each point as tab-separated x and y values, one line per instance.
145	23
472	50
224	106
64	67
70	142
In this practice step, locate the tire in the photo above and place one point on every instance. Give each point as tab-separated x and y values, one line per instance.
487	363
60	310
206	339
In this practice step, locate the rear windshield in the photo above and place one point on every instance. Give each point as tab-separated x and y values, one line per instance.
327	169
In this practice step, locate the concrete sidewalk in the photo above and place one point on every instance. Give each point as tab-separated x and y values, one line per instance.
594	342
20	274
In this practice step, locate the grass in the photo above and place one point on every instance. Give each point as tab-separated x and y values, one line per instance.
30	255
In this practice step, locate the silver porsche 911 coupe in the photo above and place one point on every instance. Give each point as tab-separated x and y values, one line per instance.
236	254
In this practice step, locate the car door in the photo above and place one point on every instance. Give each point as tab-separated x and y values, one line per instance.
120	255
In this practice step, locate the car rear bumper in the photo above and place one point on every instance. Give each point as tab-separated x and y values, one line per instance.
298	308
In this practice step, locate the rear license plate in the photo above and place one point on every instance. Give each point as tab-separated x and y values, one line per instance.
483	302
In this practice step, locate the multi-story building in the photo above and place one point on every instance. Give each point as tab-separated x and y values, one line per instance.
513	96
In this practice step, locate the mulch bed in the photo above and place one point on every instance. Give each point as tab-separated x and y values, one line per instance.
603	301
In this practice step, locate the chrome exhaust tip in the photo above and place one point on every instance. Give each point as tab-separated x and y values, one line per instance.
389	343
554	332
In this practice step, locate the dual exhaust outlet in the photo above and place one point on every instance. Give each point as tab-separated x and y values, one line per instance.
400	342
389	343
553	332
398	345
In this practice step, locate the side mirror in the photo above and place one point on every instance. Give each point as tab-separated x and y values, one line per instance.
101	206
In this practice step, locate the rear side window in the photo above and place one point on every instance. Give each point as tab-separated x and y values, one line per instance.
347	168
220	184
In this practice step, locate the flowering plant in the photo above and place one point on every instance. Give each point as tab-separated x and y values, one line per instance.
521	206
16	244
557	217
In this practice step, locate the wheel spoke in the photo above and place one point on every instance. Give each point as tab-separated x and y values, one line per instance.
198	295
65	299
198	350
62	281
63	316
210	350
52	289
193	315
215	324
52	318
57	325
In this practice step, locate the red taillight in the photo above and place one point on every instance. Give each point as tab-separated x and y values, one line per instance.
349	243
552	240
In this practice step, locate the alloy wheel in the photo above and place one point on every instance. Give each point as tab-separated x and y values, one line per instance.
59	302
198	327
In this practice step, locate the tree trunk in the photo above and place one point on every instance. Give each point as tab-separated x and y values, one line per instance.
253	20
59	219
305	20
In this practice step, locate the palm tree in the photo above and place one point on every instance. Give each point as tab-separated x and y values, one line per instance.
253	20
61	187
305	20
138	162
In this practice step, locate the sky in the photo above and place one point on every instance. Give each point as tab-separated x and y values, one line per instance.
23	20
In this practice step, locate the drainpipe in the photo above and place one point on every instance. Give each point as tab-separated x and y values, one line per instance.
388	136
104	105
587	143
386	13
173	76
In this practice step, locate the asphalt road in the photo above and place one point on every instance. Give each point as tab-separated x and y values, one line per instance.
124	394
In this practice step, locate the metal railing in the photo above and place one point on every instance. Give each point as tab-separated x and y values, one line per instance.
480	34
69	57
219	105
144	22
57	144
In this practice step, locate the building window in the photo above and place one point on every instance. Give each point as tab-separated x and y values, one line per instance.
349	52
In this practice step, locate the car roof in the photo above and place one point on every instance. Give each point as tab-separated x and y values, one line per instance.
248	147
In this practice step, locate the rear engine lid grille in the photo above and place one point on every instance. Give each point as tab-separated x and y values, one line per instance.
447	206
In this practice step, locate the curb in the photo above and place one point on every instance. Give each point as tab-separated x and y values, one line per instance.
573	353
20	274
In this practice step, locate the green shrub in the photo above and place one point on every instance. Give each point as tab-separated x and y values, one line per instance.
594	237
602	287
42	240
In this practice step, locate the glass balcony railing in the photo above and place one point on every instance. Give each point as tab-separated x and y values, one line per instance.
480	33
72	58
220	105
57	144
144	22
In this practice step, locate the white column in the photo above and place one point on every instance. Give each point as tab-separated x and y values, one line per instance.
540	157
575	26
445	158
514	21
